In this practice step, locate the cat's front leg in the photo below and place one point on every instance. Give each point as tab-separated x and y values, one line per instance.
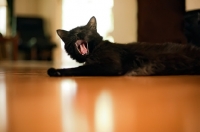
53	72
87	70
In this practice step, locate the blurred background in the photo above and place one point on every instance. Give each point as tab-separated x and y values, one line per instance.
28	27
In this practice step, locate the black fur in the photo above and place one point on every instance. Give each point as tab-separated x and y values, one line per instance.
103	58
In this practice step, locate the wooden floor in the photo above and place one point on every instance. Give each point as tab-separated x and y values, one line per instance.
30	101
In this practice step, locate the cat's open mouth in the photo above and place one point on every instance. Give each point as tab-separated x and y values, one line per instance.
82	47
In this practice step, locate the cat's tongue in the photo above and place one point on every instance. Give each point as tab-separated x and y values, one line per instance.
83	49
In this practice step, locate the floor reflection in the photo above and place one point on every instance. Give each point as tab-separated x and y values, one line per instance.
72	120
31	101
3	114
104	112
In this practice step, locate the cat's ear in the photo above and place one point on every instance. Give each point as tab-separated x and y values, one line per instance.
62	33
92	24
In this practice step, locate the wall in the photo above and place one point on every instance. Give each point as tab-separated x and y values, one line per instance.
125	21
27	8
192	4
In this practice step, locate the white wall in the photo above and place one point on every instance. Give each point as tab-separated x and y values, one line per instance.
2	2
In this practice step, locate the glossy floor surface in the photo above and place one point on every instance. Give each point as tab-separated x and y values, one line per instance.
30	101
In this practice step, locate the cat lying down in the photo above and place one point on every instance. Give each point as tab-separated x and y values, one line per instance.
104	58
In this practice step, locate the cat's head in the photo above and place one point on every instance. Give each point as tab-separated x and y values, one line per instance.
81	41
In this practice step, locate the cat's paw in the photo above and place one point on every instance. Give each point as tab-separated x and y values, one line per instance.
53	72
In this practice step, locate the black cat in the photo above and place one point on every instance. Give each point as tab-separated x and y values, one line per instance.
103	58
